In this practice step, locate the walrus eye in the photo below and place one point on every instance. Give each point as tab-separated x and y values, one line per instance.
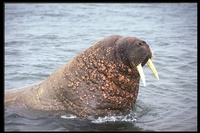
121	48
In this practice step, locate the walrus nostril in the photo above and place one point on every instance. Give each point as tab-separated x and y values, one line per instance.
144	42
141	43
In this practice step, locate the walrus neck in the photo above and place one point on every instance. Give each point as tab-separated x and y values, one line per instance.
45	95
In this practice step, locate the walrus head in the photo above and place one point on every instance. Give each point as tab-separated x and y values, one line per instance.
136	53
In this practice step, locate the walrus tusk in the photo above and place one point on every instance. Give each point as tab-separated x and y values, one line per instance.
151	66
153	69
140	70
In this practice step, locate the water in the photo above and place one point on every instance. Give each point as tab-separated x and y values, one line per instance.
39	38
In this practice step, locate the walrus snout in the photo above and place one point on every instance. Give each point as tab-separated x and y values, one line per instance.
136	53
148	56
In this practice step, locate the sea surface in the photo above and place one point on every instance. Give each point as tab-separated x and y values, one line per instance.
39	38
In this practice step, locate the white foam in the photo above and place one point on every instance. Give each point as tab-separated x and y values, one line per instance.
114	118
68	116
131	117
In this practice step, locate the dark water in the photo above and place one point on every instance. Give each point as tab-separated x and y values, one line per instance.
39	38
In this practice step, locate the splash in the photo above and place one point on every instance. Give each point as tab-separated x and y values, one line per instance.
68	116
131	117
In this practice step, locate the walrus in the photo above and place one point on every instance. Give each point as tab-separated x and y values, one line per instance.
104	79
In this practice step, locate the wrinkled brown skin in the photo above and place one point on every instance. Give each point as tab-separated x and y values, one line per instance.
98	81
